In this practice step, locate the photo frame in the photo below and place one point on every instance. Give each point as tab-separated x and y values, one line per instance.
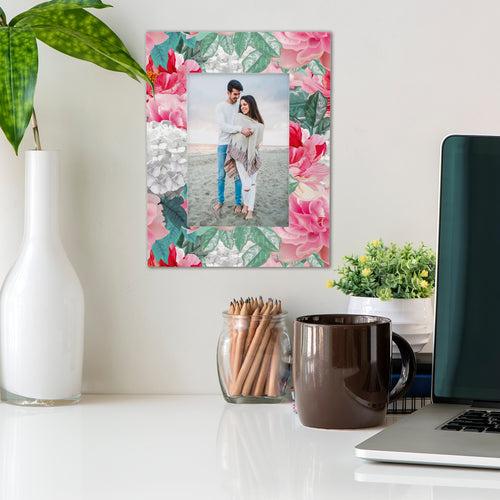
295	176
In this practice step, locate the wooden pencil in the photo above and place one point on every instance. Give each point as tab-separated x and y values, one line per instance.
252	351
254	323
232	355
259	386
273	374
241	335
256	361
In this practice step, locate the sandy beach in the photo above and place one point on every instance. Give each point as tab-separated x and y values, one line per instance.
271	202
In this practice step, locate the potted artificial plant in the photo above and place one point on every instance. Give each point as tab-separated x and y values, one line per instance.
394	282
41	302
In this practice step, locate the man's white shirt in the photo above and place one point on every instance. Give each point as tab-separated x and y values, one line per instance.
225	114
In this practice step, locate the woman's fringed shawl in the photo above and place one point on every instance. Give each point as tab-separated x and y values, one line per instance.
245	149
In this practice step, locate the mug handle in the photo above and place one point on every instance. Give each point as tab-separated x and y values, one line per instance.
408	367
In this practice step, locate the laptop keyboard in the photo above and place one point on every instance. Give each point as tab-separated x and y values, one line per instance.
474	421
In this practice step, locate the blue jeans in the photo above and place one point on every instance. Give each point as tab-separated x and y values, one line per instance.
221	177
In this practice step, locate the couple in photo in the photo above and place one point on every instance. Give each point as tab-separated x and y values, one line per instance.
241	130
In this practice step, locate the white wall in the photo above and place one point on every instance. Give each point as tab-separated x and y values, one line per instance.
405	75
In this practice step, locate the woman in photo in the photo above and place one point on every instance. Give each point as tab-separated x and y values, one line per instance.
244	151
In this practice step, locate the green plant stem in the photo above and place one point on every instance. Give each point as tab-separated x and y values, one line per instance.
36	133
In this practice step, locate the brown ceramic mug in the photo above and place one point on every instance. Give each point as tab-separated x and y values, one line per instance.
342	370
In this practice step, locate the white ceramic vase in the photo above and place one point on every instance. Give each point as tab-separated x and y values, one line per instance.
413	319
41	302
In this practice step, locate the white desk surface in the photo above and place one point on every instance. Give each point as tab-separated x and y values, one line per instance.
199	447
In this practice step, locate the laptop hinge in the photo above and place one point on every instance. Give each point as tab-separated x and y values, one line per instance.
485	404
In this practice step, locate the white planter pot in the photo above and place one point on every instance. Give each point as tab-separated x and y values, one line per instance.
413	319
41	302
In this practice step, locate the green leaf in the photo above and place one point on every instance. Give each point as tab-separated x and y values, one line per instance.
226	238
175	232
315	260
159	54
201	35
173	236
209	44
210	239
316	67
190	236
240	40
193	241
193	53
298	100
85	4
323	126
226	42
315	110
161	247
79	34
265	238
292	186
240	236
250	254
189	42
59	5
255	256
173	211
299	263
82	4
255	62
18	72
3	19
265	43
201	230
250	60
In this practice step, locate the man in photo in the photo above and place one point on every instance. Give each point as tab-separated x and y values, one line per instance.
225	113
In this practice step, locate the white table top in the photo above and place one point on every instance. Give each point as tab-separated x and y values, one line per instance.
199	447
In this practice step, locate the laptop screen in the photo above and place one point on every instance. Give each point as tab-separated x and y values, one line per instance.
467	343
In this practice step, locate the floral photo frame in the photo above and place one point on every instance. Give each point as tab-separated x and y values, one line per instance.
306	58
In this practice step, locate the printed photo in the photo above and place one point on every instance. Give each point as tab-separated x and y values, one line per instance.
238	148
238	135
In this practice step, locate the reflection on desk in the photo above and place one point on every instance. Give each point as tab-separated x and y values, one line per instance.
199	447
433	483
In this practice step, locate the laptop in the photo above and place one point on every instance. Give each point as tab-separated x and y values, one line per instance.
461	427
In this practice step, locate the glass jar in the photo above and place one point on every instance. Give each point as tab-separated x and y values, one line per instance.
253	358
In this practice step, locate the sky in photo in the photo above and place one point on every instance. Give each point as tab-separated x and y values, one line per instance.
206	90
